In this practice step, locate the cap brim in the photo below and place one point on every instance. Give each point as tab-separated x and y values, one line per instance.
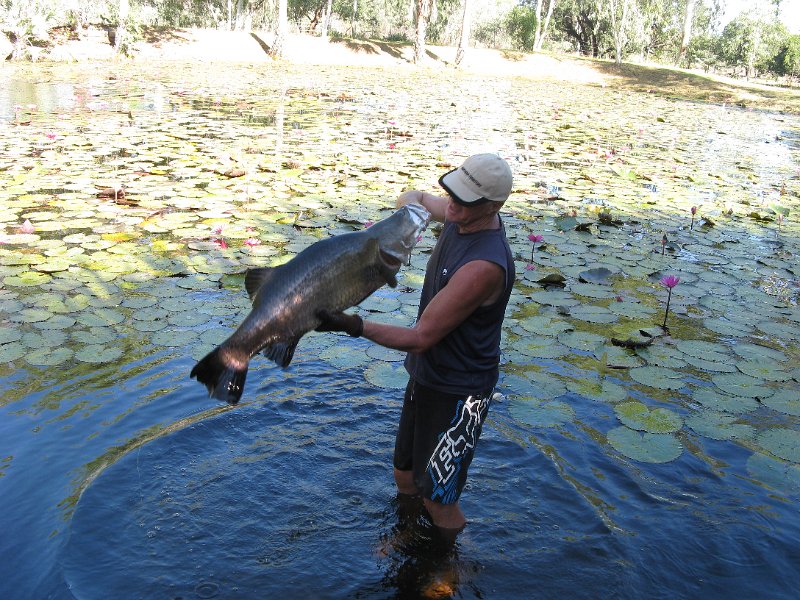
458	191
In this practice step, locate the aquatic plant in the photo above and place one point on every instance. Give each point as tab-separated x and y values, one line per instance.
535	239
669	282
694	212
664	241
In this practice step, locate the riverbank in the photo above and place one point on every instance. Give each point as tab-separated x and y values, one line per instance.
214	46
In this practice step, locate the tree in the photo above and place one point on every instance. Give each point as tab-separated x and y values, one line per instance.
463	42
282	30
541	32
619	12
787	61
688	19
424	8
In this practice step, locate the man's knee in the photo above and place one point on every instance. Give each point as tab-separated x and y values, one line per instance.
405	482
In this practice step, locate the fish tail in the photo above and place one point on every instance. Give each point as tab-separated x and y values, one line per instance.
224	376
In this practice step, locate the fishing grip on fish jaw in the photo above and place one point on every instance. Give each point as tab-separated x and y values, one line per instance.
352	325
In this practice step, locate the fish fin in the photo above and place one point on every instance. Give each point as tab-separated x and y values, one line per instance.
282	352
224	382
255	278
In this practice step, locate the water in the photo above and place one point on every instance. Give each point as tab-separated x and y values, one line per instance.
119	478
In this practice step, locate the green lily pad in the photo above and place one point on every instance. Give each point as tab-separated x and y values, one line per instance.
645	447
12	351
777	474
8	335
719	426
786	401
637	415
56	322
600	390
737	384
344	356
781	442
49	357
756	352
540	413
658	377
581	340
593	314
174	338
98	353
716	401
387	375
540	348
764	369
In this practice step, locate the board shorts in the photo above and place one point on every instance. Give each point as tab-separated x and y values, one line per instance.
436	439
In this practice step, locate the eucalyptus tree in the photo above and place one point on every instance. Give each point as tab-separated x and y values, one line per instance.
423	11
541	27
463	39
751	40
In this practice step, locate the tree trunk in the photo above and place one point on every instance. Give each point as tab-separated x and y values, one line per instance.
423	14
688	20
353	18
327	22
537	34
545	25
279	47
121	37
463	42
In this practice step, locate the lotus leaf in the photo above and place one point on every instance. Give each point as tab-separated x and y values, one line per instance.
601	390
637	415
719	426
538	413
658	377
738	384
778	474
786	401
98	353
645	447
387	375
782	443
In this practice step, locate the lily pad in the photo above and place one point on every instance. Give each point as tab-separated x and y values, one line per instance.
581	340
12	351
637	415
540	413
781	442
786	401
777	474
658	377
719	426
600	390
49	357
98	353
645	447
387	375
737	384
717	401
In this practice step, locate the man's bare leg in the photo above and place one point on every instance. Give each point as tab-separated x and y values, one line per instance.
405	482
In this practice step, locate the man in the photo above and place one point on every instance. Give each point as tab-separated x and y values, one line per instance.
454	347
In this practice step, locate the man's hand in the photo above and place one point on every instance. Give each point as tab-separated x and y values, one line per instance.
352	325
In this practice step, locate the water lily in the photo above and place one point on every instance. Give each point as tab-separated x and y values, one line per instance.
368	224
669	282
217	230
530	267
535	239
252	242
222	243
694	212
50	135
27	227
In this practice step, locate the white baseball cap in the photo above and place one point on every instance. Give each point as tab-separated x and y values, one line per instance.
482	178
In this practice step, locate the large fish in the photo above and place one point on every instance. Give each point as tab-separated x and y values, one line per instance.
330	275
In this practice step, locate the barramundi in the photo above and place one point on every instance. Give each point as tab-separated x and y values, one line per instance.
330	275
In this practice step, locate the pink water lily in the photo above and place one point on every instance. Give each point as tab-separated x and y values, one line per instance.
222	243
535	239
217	230
27	227
252	242
669	282
368	224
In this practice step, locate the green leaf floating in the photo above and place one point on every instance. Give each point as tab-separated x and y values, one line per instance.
781	442
644	447
786	401
719	426
738	384
388	375
637	415
658	377
540	413
777	474
716	401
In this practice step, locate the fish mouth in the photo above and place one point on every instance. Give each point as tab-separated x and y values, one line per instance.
390	260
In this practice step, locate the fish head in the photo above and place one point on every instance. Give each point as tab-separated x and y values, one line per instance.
398	234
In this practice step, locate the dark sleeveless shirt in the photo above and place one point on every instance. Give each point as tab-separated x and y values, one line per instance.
465	361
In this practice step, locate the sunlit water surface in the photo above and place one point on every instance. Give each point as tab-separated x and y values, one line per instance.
122	480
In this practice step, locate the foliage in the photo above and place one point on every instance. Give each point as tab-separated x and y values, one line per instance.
787	60
520	25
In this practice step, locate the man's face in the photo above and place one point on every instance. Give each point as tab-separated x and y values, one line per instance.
467	215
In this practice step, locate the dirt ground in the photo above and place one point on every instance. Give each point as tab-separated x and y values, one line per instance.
208	45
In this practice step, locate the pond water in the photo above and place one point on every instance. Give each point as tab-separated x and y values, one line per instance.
621	460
